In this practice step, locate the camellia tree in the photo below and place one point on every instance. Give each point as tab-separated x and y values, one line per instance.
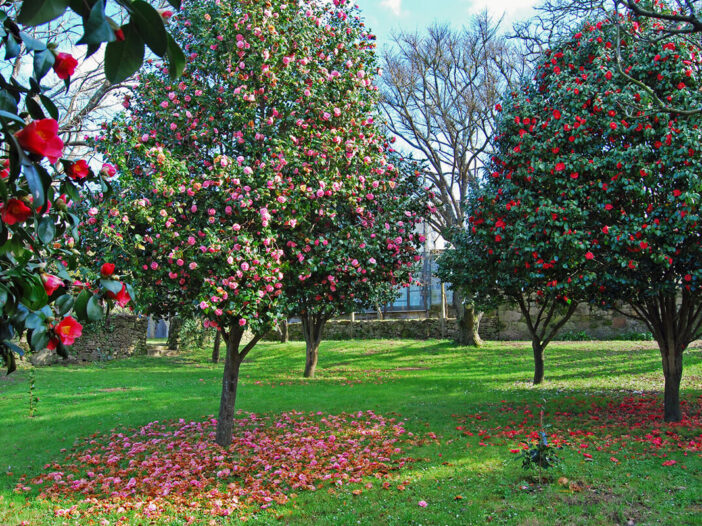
489	260
621	175
268	138
41	287
361	256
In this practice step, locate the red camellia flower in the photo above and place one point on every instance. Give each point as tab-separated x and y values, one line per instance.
15	211
78	170
5	172
560	167
51	283
65	65
122	298
589	255
68	330
107	270
41	137
119	34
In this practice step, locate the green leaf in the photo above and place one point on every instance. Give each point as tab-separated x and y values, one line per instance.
33	293
50	106
46	230
43	60
80	306
34	321
12	47
8	102
64	304
31	43
93	309
37	12
123	58
149	25
176	59
96	28
113	286
16	348
34	109
39	340
12	116
175	3
31	173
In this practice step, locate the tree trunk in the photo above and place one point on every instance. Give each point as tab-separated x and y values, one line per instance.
215	348
312	330
538	361
468	321
173	333
671	355
230	380
284	332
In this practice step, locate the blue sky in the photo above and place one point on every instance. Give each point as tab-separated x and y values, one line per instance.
386	16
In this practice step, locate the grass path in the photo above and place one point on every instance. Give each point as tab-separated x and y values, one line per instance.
462	394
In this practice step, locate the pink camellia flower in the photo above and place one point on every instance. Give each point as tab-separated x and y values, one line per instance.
422	503
51	283
68	330
242	322
108	170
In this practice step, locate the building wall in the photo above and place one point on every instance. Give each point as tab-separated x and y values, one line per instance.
502	324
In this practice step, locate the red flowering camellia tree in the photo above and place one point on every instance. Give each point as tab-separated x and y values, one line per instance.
592	168
266	145
41	286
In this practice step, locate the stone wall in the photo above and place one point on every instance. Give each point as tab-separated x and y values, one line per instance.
120	337
502	324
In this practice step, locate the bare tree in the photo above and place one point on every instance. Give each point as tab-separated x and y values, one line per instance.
90	99
440	90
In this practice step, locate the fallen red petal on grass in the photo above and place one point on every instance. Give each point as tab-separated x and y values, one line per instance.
176	469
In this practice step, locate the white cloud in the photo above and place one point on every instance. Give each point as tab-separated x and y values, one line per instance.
511	9
393	5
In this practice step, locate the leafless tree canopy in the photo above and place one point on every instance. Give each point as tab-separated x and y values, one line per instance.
91	99
439	91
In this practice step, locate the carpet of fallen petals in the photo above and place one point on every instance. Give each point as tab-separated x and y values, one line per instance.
175	468
616	429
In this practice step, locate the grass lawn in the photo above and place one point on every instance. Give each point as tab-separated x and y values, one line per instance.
601	400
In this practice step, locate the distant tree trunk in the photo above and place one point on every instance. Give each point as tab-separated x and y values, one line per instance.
312	330
173	333
215	348
543	325
538	361
468	322
230	381
284	332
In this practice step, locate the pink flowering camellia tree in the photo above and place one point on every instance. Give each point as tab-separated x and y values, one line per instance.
267	141
361	256
605	181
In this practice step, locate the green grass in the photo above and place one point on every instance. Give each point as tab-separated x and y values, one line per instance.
434	385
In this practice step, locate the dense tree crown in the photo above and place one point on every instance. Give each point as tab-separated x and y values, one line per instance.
261	170
282	100
593	191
